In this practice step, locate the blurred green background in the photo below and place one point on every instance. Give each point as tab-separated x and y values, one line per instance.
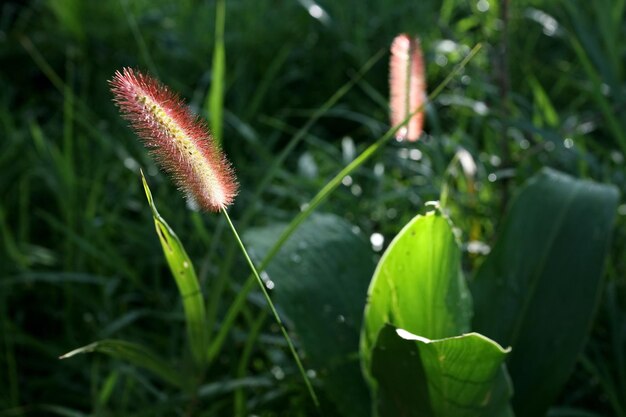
79	260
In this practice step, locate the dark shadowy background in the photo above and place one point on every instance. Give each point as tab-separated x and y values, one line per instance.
79	259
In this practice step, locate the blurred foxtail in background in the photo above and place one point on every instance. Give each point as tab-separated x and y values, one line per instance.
407	86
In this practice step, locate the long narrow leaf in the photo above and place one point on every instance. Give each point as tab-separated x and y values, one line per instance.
133	353
186	280
215	99
320	197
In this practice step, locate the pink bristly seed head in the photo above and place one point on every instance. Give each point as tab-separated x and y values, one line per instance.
179	140
407	86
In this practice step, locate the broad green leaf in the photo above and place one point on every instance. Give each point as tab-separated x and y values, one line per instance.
320	279
133	353
538	289
418	285
186	280
460	376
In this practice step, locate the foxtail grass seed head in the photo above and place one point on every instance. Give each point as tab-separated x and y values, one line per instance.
407	86
179	141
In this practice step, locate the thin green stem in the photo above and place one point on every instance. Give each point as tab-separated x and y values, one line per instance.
215	99
246	354
141	42
279	321
301	134
218	287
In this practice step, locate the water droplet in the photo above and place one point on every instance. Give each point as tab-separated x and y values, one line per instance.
605	89
296	258
568	143
379	169
131	164
377	240
549	23
478	247
480	108
401	134
617	157
278	372
348	149
415	154
341	318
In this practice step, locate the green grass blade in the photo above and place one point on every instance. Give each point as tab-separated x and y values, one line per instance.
139	38
244	362
324	268
252	209
277	162
215	100
133	353
186	280
239	301
279	321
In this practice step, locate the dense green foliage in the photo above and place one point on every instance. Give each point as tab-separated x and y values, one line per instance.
79	257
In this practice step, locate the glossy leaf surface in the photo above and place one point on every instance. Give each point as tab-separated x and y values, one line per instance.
186	281
461	376
319	280
538	289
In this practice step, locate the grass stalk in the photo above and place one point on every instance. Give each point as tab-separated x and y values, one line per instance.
246	354
279	321
220	284
215	100
239	302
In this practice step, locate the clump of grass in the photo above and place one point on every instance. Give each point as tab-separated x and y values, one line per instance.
182	144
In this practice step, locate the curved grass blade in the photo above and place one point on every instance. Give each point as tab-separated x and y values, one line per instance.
279	321
133	353
186	280
324	268
320	197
